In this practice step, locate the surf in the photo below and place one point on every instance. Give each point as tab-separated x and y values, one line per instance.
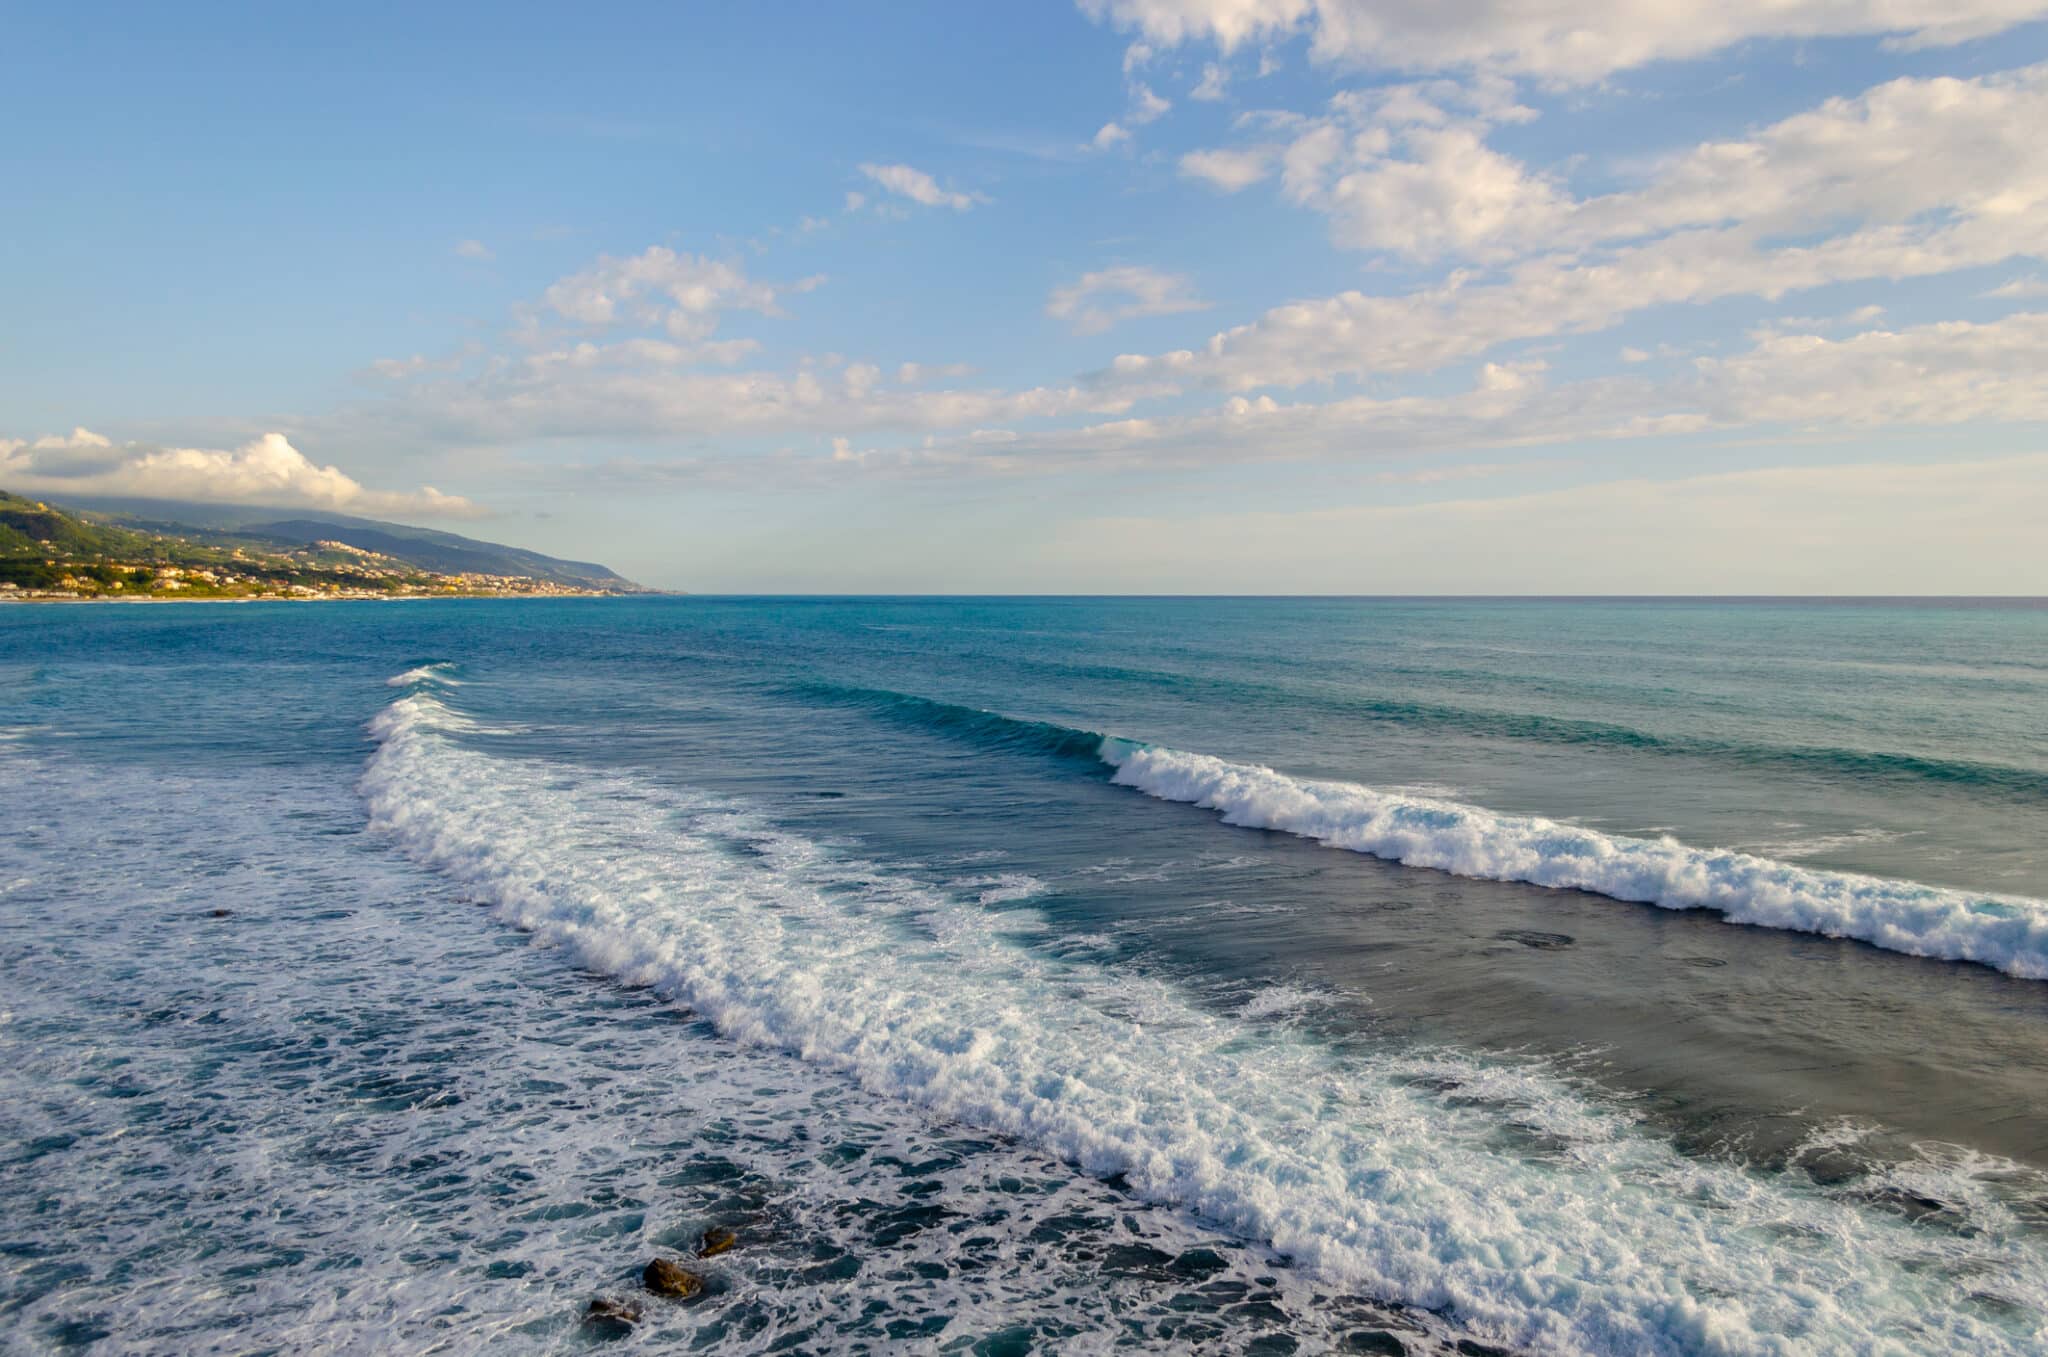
2007	933
1493	1194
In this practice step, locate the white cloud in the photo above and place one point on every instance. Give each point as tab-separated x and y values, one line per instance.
1911	179
474	249
919	187
268	471
1231	171
1111	134
2028	288
1561	41
1215	83
655	390
681	293
1146	106
1929	376
1089	303
1948	373
1449	194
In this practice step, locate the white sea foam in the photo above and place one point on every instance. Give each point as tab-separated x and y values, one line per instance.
1593	1236
2009	933
440	672
1281	1001
349	1120
1817	845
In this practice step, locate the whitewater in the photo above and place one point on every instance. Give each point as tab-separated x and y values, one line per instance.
384	979
2007	933
1495	1195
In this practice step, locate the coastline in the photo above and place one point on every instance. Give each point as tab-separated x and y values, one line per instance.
151	599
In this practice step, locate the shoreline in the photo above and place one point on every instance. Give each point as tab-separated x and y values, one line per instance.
144	600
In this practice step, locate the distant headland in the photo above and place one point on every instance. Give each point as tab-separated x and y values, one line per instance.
164	551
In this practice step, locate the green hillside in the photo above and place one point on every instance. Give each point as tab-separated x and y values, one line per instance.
46	550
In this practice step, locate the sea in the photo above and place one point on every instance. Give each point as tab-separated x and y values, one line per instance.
1022	975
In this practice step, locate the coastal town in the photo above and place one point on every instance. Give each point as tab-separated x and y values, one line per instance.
48	554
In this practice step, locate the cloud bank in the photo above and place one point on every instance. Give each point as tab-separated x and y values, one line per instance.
268	471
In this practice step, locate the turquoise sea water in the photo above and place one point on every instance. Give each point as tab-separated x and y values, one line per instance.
1222	975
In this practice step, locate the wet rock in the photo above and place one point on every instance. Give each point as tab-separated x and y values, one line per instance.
221	913
610	1318
666	1278
717	1240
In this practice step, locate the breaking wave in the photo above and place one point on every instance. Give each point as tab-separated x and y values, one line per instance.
2007	933
1493	1195
440	673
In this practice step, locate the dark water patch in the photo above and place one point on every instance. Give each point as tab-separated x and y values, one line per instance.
1530	938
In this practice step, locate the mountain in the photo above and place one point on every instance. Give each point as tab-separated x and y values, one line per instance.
256	528
143	548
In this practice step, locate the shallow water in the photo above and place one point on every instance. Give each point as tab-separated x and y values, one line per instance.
976	1045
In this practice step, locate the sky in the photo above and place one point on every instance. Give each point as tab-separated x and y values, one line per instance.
1123	296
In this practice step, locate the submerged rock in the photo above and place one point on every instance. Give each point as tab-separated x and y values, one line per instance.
717	1240
610	1318
1529	937
666	1278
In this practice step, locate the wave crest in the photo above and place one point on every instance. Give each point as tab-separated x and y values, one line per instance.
2008	933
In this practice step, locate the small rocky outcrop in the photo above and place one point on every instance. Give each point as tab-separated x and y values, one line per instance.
667	1278
611	1318
717	1240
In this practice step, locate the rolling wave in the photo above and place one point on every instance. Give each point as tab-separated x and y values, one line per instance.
1394	1174
987	729
2006	933
1842	762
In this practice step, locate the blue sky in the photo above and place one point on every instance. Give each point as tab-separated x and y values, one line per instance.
1147	295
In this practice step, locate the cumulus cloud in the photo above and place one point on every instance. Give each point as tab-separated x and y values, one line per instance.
268	471
1948	373
474	249
1096	301
919	187
1559	41
1914	178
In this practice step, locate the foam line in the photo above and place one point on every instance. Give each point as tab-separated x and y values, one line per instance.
2008	933
1531	1214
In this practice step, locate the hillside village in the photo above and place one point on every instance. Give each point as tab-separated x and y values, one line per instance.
48	553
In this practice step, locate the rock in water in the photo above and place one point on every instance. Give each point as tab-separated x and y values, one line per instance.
665	1278
717	1240
609	1318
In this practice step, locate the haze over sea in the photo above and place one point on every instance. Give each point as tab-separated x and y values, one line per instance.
1245	975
